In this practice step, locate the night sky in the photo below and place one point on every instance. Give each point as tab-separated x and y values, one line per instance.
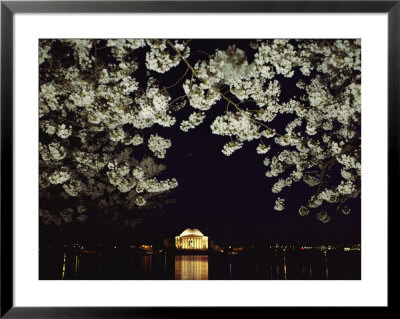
228	199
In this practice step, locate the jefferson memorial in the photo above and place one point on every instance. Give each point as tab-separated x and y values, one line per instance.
191	238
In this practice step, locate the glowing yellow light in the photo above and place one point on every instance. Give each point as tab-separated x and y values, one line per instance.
63	269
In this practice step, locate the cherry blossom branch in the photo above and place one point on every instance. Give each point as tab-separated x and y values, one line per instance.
180	79
216	90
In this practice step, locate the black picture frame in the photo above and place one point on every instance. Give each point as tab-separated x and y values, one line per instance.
9	8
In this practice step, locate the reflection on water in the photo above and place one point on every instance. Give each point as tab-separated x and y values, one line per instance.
63	267
70	266
191	267
284	268
146	265
326	268
76	268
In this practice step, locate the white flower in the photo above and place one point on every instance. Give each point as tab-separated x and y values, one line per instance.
140	201
155	186
262	148
195	119
303	211
153	108
278	186
268	133
50	129
121	47
236	124
346	210
59	177
310	180
63	131
135	140
323	217
159	145
279	204
159	59
138	173
336	149
56	152
230	147
315	202
230	65
200	95
44	52
117	135
73	188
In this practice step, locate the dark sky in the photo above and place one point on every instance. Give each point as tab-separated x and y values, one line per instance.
229	199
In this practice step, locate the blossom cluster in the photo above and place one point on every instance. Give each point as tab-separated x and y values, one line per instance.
324	135
159	145
195	119
95	111
160	59
88	156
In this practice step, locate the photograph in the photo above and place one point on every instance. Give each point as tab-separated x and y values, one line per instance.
199	159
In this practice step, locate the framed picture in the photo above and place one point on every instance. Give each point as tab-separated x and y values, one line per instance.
161	156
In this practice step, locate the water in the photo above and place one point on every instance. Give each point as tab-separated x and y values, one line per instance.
277	266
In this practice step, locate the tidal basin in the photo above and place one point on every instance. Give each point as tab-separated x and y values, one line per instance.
301	265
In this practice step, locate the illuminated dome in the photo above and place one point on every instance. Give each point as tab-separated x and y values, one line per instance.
192	232
191	239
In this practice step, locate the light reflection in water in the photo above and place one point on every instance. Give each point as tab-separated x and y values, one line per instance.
326	268
63	266
307	268
165	264
76	268
147	265
284	268
191	267
203	267
277	271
